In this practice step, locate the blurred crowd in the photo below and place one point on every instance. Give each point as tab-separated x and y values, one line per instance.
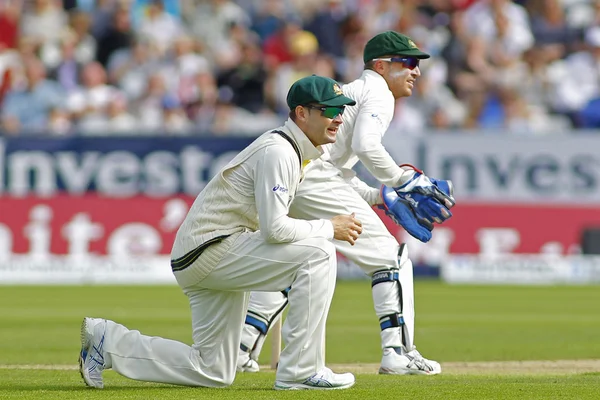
190	67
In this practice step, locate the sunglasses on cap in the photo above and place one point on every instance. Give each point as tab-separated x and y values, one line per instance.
329	111
407	62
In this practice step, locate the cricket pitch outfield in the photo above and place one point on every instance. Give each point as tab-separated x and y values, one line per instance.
499	342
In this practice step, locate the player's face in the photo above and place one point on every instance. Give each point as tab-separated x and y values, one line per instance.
401	74
322	123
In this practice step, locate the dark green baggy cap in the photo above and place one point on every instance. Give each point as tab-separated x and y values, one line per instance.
319	90
393	44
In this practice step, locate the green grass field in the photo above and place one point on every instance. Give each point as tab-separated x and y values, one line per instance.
474	331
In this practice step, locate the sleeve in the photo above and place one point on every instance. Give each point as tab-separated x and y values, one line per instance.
276	176
372	121
368	193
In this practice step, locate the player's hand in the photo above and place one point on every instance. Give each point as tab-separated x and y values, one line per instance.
402	214
430	200
346	228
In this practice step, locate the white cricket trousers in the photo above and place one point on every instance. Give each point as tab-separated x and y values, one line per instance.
218	305
375	250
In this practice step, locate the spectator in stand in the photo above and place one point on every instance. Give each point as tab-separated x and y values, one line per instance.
500	37
462	76
102	17
149	107
276	48
88	104
326	25
230	119
381	15
175	120
59	122
247	80
68	70
9	24
44	22
158	25
86	45
549	26
9	59
181	66
482	21
495	63
432	104
26	109
354	38
120	120
210	21
568	98
78	36
229	54
202	106
304	49
589	116
268	18
130	68
119	36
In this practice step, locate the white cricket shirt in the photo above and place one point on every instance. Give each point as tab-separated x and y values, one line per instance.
253	192
360	136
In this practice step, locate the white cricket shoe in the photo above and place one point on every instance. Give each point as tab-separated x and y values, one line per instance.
91	357
325	379
246	364
398	361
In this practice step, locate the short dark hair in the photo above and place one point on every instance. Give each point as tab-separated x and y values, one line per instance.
292	113
370	65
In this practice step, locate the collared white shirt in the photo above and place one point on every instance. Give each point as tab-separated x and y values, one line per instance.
254	192
361	133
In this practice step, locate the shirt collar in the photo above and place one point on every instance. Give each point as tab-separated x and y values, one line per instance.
367	73
307	150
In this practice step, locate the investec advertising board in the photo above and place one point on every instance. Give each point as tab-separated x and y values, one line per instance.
516	195
99	209
107	209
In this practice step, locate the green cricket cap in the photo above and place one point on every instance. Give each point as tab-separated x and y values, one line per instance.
319	90
393	44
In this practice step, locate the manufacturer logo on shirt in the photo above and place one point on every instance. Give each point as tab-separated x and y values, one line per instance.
280	189
377	118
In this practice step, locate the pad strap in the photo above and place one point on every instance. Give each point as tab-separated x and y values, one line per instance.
390	321
257	321
387	275
261	323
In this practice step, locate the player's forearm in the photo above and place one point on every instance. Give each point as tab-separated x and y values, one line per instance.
383	167
287	230
368	193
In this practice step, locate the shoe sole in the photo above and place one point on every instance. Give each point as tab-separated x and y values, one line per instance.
85	345
388	371
301	386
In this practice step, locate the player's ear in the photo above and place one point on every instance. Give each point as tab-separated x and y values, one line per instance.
301	113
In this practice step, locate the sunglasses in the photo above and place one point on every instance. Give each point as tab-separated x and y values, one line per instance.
407	62
329	111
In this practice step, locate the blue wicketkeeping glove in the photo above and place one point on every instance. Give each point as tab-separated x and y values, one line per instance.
402	214
430	199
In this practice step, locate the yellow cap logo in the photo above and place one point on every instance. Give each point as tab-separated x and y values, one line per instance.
337	89
412	44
